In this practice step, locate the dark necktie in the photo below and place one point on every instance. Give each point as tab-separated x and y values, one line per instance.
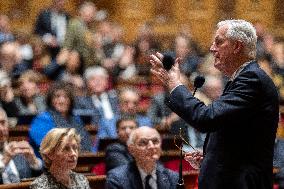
147	184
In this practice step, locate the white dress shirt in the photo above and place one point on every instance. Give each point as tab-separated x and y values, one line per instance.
104	104
153	180
59	24
10	168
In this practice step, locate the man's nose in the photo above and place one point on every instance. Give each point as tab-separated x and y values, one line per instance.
73	152
150	144
128	130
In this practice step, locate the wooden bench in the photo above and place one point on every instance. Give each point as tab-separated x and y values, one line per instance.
21	132
98	182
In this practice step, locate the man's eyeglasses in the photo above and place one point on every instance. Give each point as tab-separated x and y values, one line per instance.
145	142
179	140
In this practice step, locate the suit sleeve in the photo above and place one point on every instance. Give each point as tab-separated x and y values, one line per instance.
233	103
112	182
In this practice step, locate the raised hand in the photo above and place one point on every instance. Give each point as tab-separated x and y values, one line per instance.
194	159
170	78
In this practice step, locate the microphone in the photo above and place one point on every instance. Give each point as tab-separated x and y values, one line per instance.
198	82
168	61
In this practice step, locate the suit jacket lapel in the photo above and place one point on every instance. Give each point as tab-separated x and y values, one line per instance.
135	181
227	86
205	143
162	180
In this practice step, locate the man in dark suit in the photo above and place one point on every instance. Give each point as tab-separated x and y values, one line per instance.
145	172
17	159
100	102
241	124
117	153
51	25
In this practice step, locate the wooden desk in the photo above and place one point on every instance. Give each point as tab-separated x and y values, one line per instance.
98	182
21	132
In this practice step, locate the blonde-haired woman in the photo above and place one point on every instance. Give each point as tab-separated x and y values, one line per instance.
59	150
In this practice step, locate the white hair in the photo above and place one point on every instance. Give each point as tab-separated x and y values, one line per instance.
95	71
243	31
86	4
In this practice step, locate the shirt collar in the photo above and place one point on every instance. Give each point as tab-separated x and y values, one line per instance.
238	71
143	174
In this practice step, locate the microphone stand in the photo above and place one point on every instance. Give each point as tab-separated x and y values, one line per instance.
180	184
198	82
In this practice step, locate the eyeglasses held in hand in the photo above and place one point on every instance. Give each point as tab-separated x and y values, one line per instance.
182	140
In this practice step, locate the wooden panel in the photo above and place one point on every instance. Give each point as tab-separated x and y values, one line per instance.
199	16
256	10
23	13
226	9
99	182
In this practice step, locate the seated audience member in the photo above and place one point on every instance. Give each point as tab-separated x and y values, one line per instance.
5	30
51	25
278	162
144	144
59	150
128	104
7	100
80	34
184	48
11	60
59	103
117	154
17	159
100	102
66	65
29	101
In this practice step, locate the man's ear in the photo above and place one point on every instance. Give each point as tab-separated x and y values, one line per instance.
131	149
238	47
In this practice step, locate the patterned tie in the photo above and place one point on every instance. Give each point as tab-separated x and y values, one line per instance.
147	184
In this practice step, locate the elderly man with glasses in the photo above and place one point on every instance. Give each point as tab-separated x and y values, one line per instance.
144	144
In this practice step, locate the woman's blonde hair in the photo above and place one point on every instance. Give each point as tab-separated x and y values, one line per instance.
52	141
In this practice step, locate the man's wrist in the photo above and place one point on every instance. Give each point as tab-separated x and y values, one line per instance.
173	86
